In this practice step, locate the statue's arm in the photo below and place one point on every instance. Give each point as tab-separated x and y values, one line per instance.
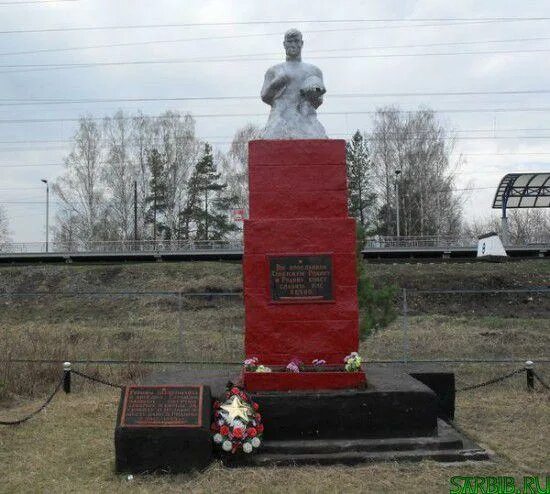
318	73
315	92
273	83
321	89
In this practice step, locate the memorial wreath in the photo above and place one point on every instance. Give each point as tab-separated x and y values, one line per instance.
237	424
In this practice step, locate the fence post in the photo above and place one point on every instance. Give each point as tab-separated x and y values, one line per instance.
530	373
405	328
180	325
67	377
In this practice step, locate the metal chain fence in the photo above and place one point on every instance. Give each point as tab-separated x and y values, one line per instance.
169	327
65	384
122	326
120	335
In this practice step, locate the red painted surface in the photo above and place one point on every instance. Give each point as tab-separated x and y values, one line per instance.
297	152
298	206
255	269
268	178
288	381
288	236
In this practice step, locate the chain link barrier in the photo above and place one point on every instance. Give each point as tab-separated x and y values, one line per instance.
97	379
38	410
539	379
492	381
54	392
119	386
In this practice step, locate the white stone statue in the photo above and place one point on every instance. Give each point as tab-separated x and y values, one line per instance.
294	90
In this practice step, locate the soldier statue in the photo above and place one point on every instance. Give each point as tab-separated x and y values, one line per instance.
294	90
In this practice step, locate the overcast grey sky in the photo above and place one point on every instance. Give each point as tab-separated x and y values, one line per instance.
356	57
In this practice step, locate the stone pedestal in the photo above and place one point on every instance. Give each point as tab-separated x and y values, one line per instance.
159	432
396	418
299	224
393	405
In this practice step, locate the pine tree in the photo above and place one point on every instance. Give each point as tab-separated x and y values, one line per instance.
361	199
156	200
190	210
207	204
222	224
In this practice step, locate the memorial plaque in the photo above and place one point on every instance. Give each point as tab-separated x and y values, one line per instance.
301	278
162	406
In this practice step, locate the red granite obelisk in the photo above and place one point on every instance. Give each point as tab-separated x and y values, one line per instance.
299	264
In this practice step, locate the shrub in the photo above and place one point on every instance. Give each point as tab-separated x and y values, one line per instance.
376	305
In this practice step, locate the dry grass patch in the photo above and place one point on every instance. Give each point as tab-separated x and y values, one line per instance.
511	421
69	448
460	337
145	328
456	275
186	276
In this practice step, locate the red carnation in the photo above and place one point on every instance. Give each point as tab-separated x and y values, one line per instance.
216	404
258	417
251	432
235	391
260	428
255	406
243	395
214	426
224	430
237	432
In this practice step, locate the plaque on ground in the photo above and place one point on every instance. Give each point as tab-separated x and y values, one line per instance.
162	406
301	278
163	428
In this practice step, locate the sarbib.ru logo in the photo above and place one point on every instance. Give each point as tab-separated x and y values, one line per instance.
499	485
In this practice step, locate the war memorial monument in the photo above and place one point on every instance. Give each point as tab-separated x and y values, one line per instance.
303	395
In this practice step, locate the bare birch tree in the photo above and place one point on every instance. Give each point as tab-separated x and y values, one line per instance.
142	143
419	147
4	227
235	167
525	226
80	189
119	173
175	140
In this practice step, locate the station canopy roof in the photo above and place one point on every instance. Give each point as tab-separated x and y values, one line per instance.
523	190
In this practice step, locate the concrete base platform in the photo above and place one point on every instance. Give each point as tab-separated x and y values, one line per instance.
398	417
448	446
393	404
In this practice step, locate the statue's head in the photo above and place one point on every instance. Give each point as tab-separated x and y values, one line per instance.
293	44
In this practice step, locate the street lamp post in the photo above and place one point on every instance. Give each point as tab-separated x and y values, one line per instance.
47	212
397	173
